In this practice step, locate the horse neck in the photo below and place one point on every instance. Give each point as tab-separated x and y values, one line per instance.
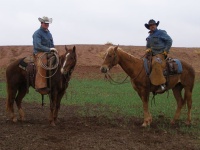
129	64
61	59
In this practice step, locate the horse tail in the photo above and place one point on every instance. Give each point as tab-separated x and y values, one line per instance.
8	95
10	91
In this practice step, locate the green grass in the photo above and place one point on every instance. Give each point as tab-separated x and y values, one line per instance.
106	99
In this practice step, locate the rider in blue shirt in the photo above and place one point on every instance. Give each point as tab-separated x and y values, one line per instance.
42	43
158	44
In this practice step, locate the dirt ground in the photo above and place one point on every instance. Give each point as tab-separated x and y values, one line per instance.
76	132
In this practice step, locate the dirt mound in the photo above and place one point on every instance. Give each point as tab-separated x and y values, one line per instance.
89	57
75	131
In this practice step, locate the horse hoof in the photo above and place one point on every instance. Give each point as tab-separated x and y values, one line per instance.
14	120
22	119
144	125
188	123
53	124
57	120
172	122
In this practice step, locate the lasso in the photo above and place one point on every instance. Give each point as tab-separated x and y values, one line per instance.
44	66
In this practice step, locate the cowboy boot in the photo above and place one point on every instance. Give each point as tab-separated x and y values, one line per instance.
161	89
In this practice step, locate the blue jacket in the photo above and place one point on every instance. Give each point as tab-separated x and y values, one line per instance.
159	41
42	41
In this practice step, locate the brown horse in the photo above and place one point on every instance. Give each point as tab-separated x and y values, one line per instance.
134	68
17	85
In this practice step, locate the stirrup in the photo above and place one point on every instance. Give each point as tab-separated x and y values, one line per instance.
163	87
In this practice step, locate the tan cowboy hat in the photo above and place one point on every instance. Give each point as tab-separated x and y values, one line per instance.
45	19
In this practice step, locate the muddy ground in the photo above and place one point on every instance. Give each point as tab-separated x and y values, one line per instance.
73	131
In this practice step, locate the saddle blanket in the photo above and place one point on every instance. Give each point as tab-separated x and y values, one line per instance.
173	67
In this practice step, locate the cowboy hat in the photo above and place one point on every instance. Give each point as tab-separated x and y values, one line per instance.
151	22
45	19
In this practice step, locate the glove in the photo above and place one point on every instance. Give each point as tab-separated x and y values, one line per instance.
148	50
53	50
165	53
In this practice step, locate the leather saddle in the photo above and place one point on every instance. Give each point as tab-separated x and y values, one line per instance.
173	66
27	64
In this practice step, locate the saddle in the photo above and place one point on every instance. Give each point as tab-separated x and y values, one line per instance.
27	64
173	66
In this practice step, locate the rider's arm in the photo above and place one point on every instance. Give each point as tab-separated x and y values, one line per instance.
167	39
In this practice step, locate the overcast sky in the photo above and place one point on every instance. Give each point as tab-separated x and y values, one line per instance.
100	21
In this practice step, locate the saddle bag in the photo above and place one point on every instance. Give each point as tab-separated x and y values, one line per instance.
172	66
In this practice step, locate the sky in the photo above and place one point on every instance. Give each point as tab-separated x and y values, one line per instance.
100	21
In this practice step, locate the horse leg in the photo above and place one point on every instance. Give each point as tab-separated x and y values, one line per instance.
20	96
52	108
59	97
180	102
147	115
188	99
51	120
10	102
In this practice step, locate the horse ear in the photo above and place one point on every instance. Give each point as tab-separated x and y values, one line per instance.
66	48
115	49
74	49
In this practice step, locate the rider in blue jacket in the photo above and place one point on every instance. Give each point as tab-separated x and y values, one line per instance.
42	43
158	44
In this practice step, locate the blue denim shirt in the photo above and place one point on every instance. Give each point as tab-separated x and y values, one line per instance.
159	41
42	41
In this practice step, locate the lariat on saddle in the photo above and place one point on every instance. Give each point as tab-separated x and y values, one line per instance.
52	63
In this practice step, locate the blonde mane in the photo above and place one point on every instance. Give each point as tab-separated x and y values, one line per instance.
119	49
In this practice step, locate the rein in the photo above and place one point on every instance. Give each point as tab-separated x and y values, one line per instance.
110	79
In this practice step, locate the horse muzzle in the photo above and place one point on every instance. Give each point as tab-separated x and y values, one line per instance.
104	69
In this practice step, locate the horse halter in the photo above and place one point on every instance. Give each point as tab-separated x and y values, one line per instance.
115	58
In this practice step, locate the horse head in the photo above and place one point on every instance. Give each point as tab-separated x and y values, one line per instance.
69	61
110	59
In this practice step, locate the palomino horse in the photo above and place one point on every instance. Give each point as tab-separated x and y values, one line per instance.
17	85
134	68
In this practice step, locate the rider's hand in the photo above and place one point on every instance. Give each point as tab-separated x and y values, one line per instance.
53	50
165	53
148	50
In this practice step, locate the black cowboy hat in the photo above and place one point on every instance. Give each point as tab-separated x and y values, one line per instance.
150	23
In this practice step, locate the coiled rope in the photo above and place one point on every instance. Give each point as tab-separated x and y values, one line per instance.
44	66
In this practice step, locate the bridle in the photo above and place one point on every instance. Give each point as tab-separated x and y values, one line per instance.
112	81
108	76
68	74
